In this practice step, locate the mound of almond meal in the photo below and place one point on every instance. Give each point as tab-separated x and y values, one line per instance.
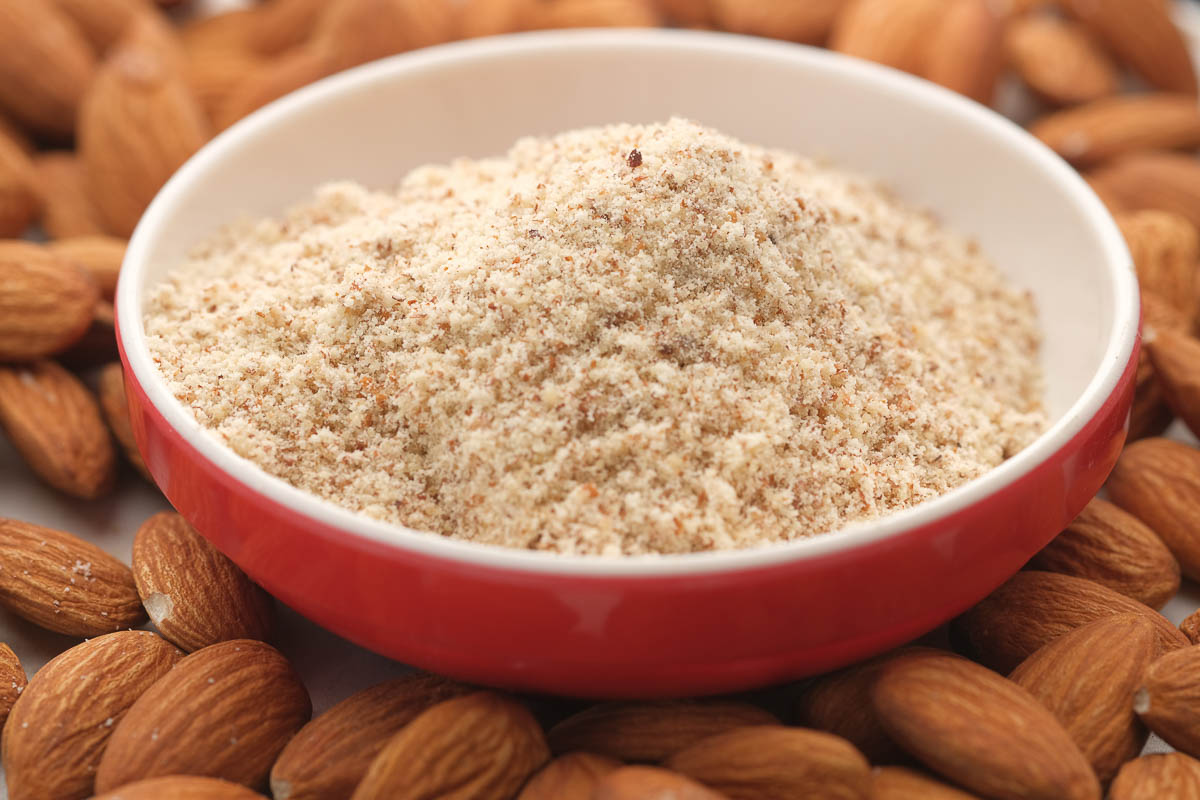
619	340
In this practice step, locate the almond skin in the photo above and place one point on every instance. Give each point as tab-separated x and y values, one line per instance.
1158	777
1114	126
651	731
110	389
354	32
808	22
1115	549
1169	699
761	762
12	681
19	200
478	745
1162	180
1158	481
224	712
181	787
1166	253
330	755
64	584
891	32
1150	415
289	72
650	783
840	703
1190	627
68	711
965	51
1143	36
1059	60
570	777
66	208
282	24
98	345
103	22
1034	608
46	303
979	729
898	783
1175	367
99	256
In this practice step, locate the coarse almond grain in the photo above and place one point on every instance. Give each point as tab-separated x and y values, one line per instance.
330	755
101	256
651	783
1174	356
651	731
273	80
110	390
1166	253
104	21
1115	549
1142	34
807	22
763	762
12	681
477	745
840	703
891	32
54	422
1190	627
61	724
63	583
46	302
1160	776
19	200
279	25
1162	180
1034	608
569	777
181	787
591	14
354	32
1168	700
900	783
979	729
1059	60
46	65
965	49
1110	127
1086	678
1158	481
66	208
1150	415
224	712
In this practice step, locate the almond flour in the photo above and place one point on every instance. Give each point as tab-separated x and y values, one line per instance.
623	340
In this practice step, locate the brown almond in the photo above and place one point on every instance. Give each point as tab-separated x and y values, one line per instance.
1190	627
1162	776
1086	677
840	703
61	724
1104	129
1169	699
19	199
216	76
899	783
224	712
651	731
46	303
193	593
110	390
1115	549
592	14
330	755
808	22
1034	608
103	22
573	776
1106	193
101	256
12	681
66	208
1162	180
353	32
224	31
181	787
98	345
979	729
762	762
891	32
1166	253
478	745
1059	60
280	25
495	17
689	13
1149	415
17	135
1158	481
1178	373
288	73
1142	34
651	783
965	50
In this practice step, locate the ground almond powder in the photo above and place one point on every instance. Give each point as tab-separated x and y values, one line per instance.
621	340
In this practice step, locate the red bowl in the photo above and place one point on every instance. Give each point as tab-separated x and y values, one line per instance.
667	625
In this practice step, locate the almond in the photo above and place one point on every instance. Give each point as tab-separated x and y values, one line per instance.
1142	34
66	714
1190	627
809	22
1086	682
1114	126
46	303
111	392
478	745
1158	481
650	783
98	345
965	51
215	76
891	32
1176	369
1034	608
139	122
495	17
592	14
17	135
1115	549
224	712
194	594
1059	60
45	66
12	681
180	787
693	13
651	731
228	31
63	583
979	729
1149	415
1166	253
288	73
1169	699
898	783
840	703
66	209
101	256
330	755
54	423
1105	192
1164	776
280	25
354	32
19	200
1162	180
570	777
103	22
762	762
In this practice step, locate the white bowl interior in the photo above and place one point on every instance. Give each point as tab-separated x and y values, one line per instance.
1032	215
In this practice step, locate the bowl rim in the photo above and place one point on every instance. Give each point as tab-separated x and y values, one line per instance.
1117	354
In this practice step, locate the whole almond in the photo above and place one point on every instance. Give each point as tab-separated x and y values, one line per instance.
1034	608
16	134
1114	126
1142	34
1162	776
1149	415
54	422
216	76
12	681
1059	60
1158	481
1162	180
1190	627
807	21
193	593
1169	699
965	51
354	32
495	17
1086	682
64	584
762	762
287	73
110	390
61	724
1178	373
1106	193
224	712
46	65
592	14
139	122
1115	549
1166	253
650	783
66	208
98	345
282	24
103	22
230	31
690	13
979	729
19	199
898	783
891	32
479	745
840	703
46	303
180	787
100	256
651	731
330	755
570	777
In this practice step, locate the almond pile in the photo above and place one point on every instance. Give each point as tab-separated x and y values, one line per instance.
1058	677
